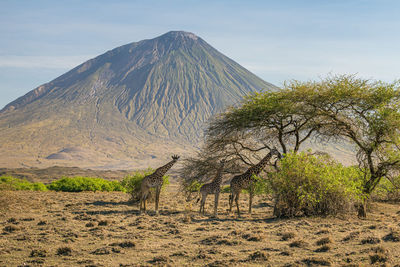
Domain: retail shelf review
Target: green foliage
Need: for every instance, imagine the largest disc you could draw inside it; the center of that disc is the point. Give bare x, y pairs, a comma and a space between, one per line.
226, 189
388, 189
261, 187
133, 182
11, 183
194, 186
314, 185
79, 184
364, 112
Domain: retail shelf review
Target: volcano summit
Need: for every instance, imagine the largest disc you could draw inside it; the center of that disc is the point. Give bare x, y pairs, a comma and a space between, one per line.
142, 101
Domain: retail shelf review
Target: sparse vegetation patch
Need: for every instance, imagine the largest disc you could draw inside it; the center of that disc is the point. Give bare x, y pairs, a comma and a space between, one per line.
133, 182
11, 183
79, 184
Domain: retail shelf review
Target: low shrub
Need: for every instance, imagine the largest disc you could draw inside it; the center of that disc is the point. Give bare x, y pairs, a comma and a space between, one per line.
11, 183
388, 189
132, 184
226, 189
261, 187
194, 186
314, 185
79, 184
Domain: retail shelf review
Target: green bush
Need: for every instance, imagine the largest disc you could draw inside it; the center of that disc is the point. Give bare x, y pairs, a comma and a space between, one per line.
261, 187
226, 189
388, 189
133, 182
193, 187
314, 185
79, 184
11, 183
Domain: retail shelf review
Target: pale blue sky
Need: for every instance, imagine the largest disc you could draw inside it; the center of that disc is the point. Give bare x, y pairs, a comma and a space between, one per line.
277, 40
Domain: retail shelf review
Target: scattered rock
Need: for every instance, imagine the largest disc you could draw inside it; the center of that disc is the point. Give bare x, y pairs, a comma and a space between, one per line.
285, 253
378, 257
10, 228
103, 223
101, 251
179, 254
38, 253
288, 235
64, 251
126, 244
324, 248
160, 260
89, 224
393, 236
37, 261
251, 237
27, 219
13, 220
217, 240
370, 240
218, 263
351, 236
298, 244
322, 232
324, 241
258, 256
316, 261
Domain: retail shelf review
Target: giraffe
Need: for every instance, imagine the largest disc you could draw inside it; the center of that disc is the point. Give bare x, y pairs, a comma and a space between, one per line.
154, 180
245, 181
212, 188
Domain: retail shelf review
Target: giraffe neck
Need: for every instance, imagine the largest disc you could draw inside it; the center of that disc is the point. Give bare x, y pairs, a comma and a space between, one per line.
259, 166
163, 169
218, 177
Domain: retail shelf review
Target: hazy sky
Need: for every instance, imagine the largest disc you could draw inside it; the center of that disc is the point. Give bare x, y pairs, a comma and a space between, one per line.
277, 40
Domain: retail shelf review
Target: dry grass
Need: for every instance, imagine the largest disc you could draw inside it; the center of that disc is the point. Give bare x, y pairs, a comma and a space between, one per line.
102, 229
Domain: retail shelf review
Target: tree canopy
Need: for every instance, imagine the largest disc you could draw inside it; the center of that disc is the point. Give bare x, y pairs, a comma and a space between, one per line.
364, 113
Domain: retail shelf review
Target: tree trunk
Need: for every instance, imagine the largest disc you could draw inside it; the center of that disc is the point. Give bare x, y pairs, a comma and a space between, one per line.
362, 209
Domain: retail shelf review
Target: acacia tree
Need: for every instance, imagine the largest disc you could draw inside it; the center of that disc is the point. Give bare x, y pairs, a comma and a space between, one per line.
267, 119
363, 112
244, 134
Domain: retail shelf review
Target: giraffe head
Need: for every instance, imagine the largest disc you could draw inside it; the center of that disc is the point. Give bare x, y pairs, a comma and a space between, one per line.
275, 152
175, 157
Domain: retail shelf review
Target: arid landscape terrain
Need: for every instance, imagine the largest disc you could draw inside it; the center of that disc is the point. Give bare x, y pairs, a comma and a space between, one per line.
103, 229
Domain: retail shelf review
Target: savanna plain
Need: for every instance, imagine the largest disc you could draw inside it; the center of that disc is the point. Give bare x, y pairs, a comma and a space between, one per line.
104, 229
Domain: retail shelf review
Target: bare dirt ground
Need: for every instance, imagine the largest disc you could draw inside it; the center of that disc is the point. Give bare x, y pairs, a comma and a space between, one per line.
102, 229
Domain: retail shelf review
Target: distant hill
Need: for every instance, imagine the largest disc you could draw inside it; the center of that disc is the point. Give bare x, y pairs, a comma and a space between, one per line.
130, 107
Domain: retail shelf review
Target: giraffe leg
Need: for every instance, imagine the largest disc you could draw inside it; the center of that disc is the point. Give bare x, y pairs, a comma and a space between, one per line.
158, 190
203, 204
144, 202
251, 194
237, 203
231, 197
216, 204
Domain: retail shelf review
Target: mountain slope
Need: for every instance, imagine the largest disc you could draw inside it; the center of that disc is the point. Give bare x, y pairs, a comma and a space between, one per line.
133, 103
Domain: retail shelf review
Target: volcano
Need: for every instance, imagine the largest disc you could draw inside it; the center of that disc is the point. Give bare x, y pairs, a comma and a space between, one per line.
132, 105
